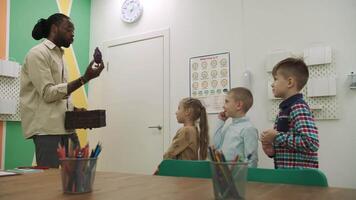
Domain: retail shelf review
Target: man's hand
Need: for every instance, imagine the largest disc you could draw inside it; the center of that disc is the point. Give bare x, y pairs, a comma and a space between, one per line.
93, 72
90, 73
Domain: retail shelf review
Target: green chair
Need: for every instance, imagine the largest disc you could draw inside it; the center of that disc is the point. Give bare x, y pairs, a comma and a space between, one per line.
201, 169
185, 168
308, 177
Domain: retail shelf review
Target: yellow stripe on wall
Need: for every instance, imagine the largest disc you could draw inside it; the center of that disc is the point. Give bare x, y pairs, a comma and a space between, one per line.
64, 6
79, 97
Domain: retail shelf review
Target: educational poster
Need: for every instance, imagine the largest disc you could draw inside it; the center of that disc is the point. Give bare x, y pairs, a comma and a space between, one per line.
210, 80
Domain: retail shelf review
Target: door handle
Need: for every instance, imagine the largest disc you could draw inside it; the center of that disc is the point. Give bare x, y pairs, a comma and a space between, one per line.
157, 127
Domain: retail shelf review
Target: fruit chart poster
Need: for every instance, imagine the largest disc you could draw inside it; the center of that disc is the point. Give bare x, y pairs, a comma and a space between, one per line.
210, 80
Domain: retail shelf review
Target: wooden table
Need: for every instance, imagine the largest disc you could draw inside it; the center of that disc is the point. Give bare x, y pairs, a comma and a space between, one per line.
111, 185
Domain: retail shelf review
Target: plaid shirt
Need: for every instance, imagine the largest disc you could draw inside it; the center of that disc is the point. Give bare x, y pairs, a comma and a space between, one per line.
296, 143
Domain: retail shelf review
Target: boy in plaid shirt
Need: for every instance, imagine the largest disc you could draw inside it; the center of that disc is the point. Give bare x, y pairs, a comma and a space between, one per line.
293, 143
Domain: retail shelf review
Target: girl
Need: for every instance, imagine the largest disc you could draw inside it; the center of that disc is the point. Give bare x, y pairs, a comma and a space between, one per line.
190, 143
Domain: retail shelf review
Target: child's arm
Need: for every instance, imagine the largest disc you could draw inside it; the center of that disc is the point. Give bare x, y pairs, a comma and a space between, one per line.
267, 139
179, 144
250, 136
217, 138
305, 139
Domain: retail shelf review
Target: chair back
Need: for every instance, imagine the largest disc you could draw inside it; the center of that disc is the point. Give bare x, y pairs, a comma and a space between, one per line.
185, 168
201, 169
306, 176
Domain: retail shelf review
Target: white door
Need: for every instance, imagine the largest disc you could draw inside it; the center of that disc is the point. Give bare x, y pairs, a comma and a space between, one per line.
134, 92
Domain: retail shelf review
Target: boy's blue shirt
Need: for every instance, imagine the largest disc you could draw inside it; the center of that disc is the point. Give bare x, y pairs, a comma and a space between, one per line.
239, 138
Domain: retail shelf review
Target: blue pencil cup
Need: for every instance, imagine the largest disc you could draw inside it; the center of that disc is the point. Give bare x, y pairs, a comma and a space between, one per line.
78, 174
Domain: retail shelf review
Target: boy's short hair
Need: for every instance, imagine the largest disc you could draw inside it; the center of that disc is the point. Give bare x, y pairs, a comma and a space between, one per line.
295, 67
244, 95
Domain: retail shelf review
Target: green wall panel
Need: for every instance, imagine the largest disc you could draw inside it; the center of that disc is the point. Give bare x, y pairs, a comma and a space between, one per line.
24, 14
19, 152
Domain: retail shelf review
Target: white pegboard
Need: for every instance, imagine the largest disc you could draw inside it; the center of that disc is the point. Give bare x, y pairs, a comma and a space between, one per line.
10, 89
326, 107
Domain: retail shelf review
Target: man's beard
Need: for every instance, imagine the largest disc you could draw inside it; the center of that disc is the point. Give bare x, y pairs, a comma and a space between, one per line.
62, 42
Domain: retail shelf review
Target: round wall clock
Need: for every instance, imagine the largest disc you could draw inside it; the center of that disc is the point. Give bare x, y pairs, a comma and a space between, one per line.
131, 11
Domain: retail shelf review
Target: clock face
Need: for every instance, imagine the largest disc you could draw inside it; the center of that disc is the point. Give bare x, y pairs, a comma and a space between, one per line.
131, 11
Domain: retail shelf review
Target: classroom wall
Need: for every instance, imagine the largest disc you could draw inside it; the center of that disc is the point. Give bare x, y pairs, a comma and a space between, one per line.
23, 15
193, 32
296, 25
249, 30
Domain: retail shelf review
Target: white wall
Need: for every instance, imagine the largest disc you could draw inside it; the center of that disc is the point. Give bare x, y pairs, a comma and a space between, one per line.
249, 30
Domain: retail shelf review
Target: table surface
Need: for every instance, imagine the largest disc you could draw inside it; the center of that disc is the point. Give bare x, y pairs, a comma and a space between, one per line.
114, 185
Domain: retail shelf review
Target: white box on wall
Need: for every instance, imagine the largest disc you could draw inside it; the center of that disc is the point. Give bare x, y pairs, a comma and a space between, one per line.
9, 68
8, 106
318, 87
274, 57
317, 55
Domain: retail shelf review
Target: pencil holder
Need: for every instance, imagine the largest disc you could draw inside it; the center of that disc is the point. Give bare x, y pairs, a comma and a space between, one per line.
78, 174
229, 179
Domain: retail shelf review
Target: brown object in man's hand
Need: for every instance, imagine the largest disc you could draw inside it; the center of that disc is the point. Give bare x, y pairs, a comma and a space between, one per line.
97, 56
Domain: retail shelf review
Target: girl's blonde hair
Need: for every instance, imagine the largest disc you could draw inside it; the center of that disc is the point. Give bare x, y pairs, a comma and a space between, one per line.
199, 112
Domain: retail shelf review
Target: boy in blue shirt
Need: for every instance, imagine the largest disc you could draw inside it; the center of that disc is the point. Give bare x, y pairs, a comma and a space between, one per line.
240, 138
